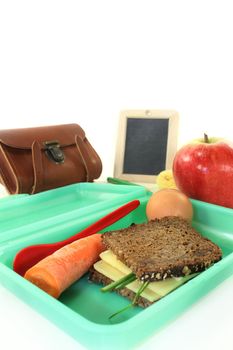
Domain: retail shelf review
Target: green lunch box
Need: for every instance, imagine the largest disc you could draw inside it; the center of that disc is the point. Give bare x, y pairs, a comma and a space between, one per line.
82, 310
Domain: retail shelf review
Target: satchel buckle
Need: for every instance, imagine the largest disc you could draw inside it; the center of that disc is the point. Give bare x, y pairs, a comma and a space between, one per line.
54, 152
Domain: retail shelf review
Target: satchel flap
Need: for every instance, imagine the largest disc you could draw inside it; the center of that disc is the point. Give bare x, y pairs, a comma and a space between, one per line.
23, 138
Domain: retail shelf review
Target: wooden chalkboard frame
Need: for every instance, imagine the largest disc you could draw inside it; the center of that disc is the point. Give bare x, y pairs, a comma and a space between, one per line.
171, 148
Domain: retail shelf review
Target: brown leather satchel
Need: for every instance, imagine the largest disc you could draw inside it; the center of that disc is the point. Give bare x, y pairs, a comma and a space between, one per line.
38, 159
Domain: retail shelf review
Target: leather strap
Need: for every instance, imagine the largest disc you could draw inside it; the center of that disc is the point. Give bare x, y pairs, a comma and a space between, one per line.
8, 174
88, 162
37, 168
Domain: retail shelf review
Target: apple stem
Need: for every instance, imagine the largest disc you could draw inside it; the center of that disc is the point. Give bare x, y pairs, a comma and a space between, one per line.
206, 139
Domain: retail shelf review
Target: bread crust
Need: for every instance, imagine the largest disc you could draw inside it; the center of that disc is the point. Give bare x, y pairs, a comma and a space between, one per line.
159, 249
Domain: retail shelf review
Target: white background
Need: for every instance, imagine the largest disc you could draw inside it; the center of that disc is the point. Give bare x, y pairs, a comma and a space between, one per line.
84, 61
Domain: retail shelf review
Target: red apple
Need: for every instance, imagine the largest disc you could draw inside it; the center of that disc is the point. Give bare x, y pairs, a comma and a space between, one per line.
203, 170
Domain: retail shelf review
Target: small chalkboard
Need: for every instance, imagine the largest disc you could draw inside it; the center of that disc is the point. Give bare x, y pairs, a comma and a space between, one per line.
147, 142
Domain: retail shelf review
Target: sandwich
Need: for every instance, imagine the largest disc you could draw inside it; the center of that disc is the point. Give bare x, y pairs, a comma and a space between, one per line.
145, 262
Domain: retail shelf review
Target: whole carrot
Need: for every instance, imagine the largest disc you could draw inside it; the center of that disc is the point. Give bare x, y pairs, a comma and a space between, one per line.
59, 270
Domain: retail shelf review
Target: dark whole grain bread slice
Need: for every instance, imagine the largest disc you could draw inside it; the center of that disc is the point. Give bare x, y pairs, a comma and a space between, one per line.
162, 248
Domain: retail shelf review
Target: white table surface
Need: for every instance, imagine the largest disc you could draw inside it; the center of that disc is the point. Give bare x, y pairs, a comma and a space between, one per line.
208, 324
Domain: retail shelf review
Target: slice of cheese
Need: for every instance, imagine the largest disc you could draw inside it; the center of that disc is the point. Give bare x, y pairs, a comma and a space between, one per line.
114, 274
112, 260
160, 288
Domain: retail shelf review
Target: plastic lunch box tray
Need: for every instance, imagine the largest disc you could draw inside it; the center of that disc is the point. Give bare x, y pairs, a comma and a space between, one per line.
83, 311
